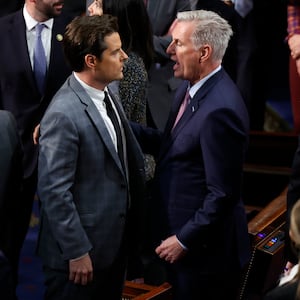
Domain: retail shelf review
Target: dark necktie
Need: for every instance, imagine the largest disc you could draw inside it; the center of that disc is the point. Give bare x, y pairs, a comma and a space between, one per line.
113, 117
39, 59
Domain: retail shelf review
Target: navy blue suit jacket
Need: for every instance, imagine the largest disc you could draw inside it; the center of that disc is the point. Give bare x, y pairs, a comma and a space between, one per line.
18, 90
199, 175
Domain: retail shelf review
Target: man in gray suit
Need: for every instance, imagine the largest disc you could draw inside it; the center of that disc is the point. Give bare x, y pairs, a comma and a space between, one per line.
91, 202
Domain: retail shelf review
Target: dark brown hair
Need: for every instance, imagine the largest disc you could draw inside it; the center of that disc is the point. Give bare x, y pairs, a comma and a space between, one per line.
85, 35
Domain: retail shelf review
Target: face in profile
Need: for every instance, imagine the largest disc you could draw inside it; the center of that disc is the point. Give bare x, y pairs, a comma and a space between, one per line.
110, 66
183, 52
95, 8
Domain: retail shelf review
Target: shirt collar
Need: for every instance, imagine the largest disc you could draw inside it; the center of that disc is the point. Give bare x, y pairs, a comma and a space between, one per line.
31, 22
92, 92
198, 85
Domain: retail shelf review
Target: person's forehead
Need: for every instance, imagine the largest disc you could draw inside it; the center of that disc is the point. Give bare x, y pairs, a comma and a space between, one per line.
183, 29
113, 40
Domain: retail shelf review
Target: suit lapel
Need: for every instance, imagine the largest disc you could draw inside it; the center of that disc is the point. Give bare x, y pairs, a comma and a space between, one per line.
56, 43
19, 40
96, 119
170, 135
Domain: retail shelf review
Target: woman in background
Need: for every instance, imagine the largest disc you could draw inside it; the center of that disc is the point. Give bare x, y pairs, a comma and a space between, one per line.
289, 285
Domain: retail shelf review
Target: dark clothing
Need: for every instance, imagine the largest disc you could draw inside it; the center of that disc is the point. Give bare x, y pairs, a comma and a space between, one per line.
11, 226
19, 95
197, 184
284, 292
7, 7
7, 288
107, 284
293, 195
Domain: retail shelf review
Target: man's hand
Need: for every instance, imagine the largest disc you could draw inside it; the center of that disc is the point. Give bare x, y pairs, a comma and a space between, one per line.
36, 134
170, 250
81, 270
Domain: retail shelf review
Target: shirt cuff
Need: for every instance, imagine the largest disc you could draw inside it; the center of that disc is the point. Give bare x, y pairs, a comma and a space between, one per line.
77, 258
183, 246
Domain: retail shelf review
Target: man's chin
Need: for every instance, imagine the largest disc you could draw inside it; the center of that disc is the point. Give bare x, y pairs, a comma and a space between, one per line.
121, 76
177, 74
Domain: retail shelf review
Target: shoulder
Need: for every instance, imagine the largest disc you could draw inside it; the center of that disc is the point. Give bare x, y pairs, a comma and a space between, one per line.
63, 20
6, 118
10, 19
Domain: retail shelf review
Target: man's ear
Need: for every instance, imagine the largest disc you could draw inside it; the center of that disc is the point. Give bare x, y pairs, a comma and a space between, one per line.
90, 60
204, 52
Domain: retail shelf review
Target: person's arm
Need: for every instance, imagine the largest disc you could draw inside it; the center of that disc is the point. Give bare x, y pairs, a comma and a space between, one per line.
148, 138
223, 142
58, 153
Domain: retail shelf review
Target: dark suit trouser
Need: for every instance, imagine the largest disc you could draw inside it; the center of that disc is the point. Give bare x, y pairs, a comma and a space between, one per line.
106, 284
23, 219
190, 282
6, 281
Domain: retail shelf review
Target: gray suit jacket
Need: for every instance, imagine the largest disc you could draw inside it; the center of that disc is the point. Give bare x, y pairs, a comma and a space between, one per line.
85, 200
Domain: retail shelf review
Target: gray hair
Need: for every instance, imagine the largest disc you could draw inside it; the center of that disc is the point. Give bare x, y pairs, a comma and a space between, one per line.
210, 29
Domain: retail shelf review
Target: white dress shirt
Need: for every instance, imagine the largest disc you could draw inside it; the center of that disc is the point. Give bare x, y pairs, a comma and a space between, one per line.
31, 35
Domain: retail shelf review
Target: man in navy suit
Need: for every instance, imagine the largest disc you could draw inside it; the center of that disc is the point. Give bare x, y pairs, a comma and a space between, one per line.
199, 221
91, 191
19, 93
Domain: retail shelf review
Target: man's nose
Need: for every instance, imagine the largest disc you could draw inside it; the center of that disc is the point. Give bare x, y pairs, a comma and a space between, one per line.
124, 56
171, 48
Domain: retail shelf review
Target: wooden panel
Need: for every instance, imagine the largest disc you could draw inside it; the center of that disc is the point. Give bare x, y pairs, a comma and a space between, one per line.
273, 213
140, 291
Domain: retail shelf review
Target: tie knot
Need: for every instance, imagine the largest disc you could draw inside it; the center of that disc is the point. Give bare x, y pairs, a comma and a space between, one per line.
106, 99
39, 28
